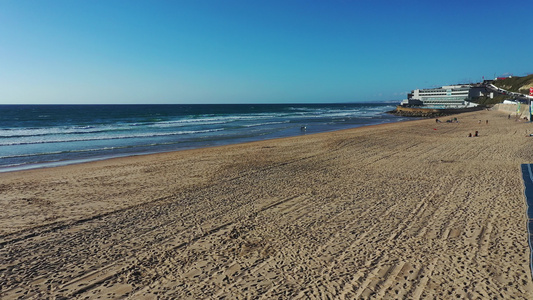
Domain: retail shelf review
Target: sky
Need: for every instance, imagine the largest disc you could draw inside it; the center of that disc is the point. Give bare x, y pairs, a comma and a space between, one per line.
254, 51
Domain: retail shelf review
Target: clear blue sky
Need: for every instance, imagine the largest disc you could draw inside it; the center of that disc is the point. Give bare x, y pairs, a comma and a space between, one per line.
253, 51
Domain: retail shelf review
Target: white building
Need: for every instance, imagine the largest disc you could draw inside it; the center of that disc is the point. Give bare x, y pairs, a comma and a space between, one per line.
451, 96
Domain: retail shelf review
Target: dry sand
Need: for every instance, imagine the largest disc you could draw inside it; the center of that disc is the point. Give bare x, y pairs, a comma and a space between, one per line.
408, 210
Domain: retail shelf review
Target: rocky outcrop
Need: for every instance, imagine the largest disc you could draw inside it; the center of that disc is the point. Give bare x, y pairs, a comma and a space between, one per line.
429, 112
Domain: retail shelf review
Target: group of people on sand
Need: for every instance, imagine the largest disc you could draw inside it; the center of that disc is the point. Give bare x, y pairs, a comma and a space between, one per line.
518, 118
475, 134
454, 120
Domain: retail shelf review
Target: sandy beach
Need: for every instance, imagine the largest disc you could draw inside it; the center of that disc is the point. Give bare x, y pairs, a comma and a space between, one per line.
412, 210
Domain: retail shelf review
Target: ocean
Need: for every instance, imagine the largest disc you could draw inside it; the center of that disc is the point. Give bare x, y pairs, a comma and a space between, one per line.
36, 136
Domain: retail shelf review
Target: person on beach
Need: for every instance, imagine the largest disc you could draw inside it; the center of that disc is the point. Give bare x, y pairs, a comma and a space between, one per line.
470, 134
487, 122
475, 134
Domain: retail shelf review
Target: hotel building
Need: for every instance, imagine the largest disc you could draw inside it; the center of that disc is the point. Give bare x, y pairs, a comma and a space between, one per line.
451, 96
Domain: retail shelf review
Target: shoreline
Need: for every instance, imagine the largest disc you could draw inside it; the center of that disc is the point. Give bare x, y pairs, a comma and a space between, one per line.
400, 210
54, 164
80, 133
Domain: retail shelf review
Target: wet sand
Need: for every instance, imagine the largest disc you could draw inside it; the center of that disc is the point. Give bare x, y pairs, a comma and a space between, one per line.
405, 210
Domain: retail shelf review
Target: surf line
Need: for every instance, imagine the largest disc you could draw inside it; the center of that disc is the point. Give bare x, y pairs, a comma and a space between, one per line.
527, 175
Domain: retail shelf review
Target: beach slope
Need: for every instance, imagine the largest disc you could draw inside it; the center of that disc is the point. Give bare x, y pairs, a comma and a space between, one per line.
406, 210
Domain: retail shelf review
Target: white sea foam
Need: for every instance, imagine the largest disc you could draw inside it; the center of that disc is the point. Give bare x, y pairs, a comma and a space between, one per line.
105, 137
266, 123
60, 130
113, 132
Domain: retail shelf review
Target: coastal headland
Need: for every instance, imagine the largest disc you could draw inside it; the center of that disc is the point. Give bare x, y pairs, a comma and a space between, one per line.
414, 210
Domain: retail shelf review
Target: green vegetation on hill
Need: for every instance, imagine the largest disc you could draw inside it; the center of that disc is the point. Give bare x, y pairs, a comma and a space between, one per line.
516, 84
491, 101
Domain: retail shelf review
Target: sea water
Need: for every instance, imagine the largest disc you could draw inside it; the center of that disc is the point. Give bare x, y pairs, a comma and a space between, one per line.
34, 136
